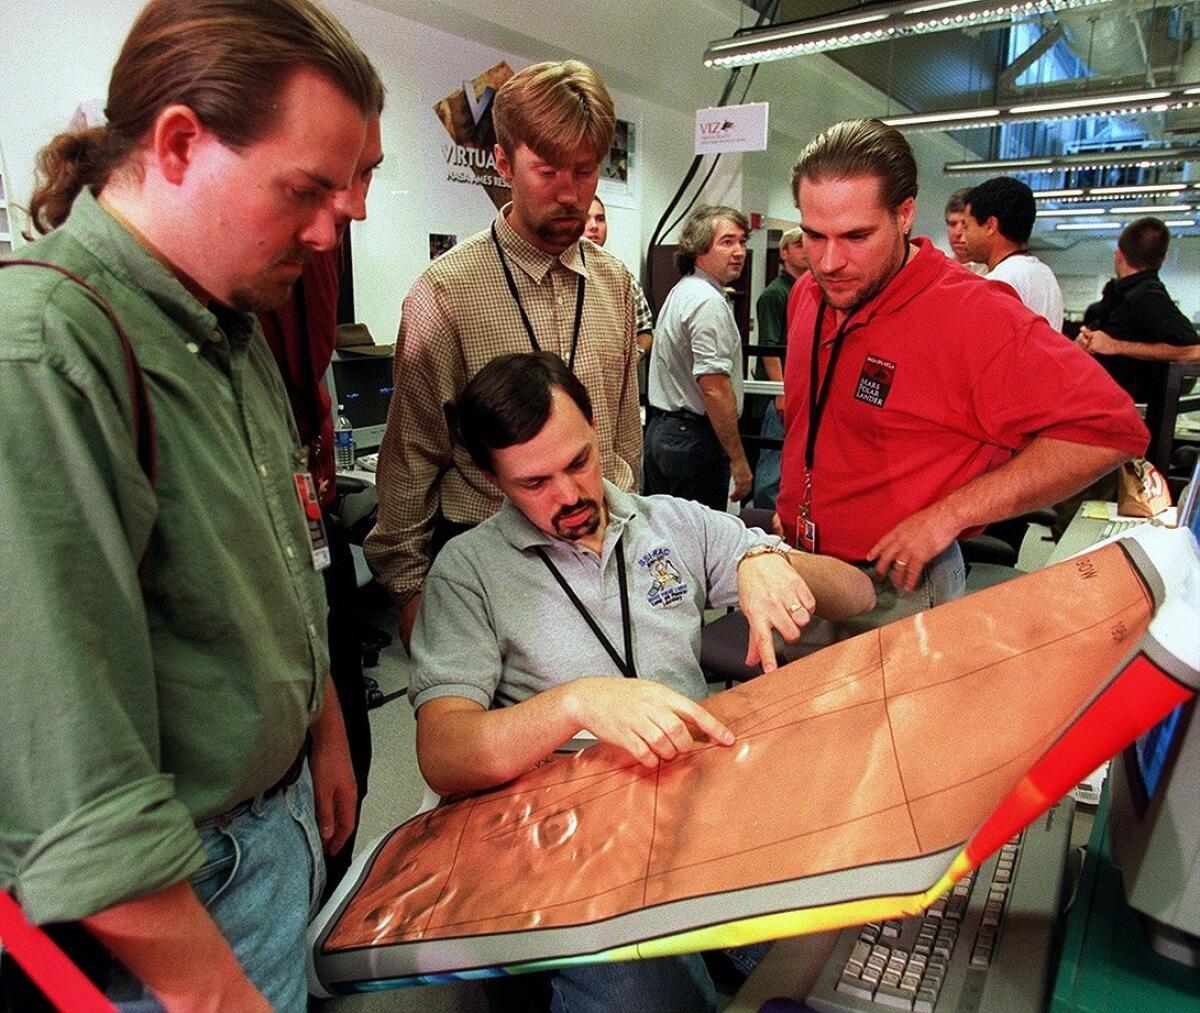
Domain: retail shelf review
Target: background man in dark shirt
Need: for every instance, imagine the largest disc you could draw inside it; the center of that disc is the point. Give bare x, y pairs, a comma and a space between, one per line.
771, 310
1136, 328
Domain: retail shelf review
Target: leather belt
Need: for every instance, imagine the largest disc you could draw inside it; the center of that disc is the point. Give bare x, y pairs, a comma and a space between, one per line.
290, 777
677, 413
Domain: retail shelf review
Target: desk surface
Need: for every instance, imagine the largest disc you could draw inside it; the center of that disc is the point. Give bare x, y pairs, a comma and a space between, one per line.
1082, 532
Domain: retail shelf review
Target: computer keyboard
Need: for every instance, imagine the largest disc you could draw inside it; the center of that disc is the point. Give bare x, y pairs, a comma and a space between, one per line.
368, 462
986, 946
1119, 527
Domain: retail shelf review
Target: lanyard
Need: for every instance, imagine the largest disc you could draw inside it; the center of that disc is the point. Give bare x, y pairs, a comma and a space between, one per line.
625, 664
818, 398
512, 288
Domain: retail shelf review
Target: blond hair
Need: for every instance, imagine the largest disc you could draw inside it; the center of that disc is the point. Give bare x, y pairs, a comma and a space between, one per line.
555, 109
226, 60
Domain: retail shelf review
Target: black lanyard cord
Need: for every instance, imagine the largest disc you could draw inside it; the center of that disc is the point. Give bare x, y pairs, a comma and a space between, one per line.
626, 664
512, 288
818, 399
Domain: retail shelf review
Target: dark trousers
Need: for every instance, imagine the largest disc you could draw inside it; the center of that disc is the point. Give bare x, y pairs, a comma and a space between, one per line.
345, 669
683, 457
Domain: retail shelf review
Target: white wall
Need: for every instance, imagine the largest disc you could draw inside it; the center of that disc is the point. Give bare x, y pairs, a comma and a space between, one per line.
410, 199
648, 54
1092, 259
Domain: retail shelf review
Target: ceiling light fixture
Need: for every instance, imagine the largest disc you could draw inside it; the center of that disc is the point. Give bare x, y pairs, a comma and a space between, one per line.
1113, 191
875, 24
1162, 209
1094, 192
1115, 103
1154, 209
1069, 212
1142, 158
1179, 223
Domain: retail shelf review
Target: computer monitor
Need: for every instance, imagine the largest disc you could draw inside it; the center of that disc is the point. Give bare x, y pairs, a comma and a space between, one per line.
1154, 825
362, 385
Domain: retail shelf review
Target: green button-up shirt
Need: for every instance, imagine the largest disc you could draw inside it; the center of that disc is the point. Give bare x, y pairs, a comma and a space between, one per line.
133, 705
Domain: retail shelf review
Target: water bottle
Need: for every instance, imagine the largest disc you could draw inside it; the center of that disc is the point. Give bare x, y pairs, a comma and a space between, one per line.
343, 441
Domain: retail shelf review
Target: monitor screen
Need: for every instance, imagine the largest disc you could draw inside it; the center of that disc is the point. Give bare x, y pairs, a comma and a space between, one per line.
1154, 822
362, 385
1152, 751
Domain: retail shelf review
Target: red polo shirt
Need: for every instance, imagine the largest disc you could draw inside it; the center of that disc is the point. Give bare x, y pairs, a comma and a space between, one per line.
303, 348
941, 377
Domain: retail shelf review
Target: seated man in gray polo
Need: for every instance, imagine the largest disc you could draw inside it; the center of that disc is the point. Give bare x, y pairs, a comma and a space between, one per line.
530, 620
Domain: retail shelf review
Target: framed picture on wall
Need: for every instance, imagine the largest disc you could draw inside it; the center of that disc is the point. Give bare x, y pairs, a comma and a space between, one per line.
620, 171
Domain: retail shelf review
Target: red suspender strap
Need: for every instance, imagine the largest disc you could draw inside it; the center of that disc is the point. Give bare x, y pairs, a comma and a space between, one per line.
47, 966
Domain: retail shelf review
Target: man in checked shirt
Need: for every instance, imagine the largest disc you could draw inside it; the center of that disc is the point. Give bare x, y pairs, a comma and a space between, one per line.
522, 284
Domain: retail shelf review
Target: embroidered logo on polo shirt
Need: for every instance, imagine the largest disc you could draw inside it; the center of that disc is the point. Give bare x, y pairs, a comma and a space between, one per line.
667, 587
875, 381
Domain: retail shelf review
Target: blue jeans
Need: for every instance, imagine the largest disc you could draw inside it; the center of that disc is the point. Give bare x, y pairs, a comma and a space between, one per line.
944, 579
261, 882
766, 472
657, 985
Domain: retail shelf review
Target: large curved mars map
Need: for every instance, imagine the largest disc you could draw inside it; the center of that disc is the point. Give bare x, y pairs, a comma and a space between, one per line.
864, 781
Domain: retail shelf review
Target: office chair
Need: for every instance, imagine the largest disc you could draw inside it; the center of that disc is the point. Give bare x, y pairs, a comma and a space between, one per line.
723, 642
354, 512
999, 544
1179, 395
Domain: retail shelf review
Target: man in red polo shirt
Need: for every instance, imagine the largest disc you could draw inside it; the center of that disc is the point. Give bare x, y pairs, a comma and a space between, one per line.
922, 401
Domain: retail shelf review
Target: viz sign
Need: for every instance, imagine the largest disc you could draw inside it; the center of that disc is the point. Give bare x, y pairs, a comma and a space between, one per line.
732, 128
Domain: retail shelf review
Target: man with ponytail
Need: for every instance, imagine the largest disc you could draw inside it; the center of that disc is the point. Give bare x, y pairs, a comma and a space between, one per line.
173, 761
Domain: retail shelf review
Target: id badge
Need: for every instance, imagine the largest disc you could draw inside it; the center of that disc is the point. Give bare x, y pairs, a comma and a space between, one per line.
318, 543
806, 534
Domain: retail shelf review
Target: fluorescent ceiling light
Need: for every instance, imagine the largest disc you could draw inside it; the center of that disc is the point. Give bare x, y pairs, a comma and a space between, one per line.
1161, 209
942, 119
1185, 223
1153, 209
1115, 103
1091, 193
1141, 158
1086, 103
884, 21
1085, 226
1112, 191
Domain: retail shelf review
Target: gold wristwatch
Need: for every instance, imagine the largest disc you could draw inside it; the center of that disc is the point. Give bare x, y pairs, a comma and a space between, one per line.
782, 549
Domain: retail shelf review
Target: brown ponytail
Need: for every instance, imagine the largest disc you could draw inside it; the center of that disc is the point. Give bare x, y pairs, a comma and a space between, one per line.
227, 60
65, 166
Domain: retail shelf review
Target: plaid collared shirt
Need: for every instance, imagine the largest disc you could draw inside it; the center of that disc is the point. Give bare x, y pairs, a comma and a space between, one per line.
458, 316
645, 318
